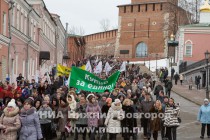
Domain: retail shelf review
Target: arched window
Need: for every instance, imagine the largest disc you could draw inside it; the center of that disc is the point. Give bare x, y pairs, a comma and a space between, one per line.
188, 48
141, 50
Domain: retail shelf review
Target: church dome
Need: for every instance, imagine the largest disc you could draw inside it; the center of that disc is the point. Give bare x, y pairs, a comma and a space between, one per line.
205, 7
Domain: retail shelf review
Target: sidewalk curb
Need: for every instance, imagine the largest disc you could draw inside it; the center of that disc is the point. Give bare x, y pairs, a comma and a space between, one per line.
186, 98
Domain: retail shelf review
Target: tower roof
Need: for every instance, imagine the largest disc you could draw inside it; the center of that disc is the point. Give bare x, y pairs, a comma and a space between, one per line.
205, 7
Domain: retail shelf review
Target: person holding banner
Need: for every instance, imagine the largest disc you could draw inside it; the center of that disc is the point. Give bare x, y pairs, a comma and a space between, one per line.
93, 110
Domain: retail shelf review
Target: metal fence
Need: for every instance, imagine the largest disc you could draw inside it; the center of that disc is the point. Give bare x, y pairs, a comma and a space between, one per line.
183, 66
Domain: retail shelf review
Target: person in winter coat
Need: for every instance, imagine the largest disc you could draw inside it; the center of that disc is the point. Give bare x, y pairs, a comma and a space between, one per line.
155, 123
204, 118
145, 107
72, 104
128, 123
176, 77
114, 95
168, 87
171, 119
30, 125
157, 89
26, 92
93, 110
63, 119
55, 105
190, 83
134, 86
113, 119
45, 120
81, 123
10, 122
181, 78
104, 110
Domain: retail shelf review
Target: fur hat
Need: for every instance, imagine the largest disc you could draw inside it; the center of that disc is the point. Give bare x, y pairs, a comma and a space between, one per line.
89, 97
12, 103
206, 100
116, 101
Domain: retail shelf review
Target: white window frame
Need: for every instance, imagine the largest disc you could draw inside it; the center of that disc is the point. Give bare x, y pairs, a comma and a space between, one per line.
18, 19
4, 23
188, 43
25, 24
21, 22
34, 32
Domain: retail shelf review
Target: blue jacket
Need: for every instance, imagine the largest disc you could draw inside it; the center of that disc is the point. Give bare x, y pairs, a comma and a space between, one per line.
204, 114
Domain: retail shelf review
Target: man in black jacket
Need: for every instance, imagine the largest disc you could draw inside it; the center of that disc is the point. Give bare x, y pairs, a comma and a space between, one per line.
168, 86
19, 79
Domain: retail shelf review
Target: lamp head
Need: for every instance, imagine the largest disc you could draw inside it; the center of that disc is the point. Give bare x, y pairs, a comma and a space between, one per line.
11, 2
207, 54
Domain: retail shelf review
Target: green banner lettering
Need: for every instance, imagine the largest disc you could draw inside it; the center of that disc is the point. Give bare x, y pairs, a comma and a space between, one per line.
87, 81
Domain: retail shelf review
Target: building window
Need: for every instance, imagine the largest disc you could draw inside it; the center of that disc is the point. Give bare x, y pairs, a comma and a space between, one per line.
146, 7
4, 23
13, 16
131, 8
153, 6
34, 34
188, 48
139, 8
21, 23
141, 50
124, 9
161, 6
25, 25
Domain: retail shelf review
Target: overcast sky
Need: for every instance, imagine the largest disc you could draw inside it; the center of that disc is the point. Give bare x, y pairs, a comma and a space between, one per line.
86, 13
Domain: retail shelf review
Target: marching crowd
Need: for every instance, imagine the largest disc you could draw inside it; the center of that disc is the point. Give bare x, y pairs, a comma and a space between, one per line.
24, 108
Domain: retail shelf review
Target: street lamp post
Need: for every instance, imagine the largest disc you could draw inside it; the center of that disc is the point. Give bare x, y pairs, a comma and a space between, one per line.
207, 73
149, 63
10, 14
156, 62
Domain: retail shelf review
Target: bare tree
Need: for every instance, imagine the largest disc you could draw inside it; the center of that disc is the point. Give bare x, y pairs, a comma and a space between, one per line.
105, 25
76, 31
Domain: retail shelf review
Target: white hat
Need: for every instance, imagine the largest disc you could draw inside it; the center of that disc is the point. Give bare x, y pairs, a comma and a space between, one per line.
128, 90
89, 96
206, 100
116, 101
12, 103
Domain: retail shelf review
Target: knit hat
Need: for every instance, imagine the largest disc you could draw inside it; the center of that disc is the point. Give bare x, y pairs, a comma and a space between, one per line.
88, 97
108, 100
129, 90
206, 100
12, 103
116, 101
30, 101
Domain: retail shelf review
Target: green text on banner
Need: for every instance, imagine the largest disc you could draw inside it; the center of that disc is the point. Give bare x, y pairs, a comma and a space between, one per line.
87, 81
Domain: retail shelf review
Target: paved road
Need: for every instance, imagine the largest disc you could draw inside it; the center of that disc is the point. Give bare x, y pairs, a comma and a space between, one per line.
188, 129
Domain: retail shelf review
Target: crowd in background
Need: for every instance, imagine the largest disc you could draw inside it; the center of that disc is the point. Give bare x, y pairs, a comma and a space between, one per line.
135, 92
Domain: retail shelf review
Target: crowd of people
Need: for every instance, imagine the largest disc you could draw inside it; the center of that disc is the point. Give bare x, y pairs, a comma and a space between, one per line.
24, 108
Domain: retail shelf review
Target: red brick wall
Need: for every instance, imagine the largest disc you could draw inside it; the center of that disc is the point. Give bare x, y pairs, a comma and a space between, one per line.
143, 23
76, 52
102, 43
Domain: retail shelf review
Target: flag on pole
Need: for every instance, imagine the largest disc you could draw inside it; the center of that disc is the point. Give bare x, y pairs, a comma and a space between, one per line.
48, 78
88, 67
98, 68
107, 68
123, 67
